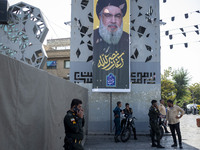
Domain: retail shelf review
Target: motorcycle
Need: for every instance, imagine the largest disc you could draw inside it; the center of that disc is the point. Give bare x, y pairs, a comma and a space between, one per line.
163, 125
127, 124
162, 121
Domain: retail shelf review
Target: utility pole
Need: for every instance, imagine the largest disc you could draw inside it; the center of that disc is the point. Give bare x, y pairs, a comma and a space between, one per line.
111, 112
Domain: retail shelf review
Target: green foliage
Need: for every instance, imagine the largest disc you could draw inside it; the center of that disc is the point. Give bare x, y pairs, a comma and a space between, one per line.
176, 89
167, 73
187, 99
168, 90
195, 92
181, 79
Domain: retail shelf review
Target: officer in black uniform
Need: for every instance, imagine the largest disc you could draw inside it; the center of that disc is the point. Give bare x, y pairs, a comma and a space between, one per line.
73, 123
154, 115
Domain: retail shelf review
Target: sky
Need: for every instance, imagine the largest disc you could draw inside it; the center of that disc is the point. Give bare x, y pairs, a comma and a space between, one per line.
56, 13
179, 56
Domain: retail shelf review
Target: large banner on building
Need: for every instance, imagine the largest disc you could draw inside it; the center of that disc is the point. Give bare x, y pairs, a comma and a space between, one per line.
111, 67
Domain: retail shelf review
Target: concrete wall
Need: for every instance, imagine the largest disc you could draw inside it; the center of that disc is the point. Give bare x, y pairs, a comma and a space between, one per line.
145, 63
33, 104
101, 107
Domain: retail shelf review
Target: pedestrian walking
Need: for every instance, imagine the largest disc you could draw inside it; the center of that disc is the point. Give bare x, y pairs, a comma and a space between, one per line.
174, 113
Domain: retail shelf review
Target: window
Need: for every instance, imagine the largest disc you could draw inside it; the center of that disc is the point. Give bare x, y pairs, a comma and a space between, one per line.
51, 64
66, 64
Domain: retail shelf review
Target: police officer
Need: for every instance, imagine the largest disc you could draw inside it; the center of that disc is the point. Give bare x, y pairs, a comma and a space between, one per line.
117, 112
73, 123
154, 115
128, 111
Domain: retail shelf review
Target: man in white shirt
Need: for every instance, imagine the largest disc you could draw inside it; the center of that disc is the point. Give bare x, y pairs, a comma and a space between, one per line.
173, 121
162, 110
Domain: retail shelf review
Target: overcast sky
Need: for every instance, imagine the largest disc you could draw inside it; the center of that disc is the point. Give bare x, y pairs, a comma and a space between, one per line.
56, 12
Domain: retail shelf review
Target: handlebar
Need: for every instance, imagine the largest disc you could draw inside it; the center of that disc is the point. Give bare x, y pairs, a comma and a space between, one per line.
128, 115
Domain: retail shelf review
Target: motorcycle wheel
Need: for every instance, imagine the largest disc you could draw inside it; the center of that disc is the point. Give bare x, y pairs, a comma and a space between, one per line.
125, 135
161, 132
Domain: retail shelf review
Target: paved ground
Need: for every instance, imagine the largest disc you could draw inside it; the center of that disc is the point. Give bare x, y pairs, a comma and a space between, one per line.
190, 136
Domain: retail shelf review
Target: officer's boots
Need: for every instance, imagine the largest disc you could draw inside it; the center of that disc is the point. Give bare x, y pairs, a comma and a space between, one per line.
159, 146
153, 142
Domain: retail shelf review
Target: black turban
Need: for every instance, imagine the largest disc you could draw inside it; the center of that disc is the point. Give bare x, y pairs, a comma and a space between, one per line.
104, 3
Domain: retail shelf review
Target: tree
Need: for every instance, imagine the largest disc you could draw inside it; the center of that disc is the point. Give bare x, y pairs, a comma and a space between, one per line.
167, 73
181, 79
168, 90
195, 92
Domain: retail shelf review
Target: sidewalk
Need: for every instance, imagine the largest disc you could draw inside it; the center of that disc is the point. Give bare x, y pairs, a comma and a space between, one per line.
190, 138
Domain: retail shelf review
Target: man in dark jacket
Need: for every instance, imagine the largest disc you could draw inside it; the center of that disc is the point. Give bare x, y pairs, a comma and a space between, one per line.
73, 123
128, 113
154, 115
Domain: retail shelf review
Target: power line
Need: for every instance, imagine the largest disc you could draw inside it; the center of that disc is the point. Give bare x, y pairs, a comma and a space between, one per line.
51, 22
50, 25
196, 26
184, 33
185, 14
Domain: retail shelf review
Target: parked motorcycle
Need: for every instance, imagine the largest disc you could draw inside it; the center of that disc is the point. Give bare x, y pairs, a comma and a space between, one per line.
162, 121
127, 125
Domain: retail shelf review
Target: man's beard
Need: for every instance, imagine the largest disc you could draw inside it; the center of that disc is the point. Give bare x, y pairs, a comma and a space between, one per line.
110, 37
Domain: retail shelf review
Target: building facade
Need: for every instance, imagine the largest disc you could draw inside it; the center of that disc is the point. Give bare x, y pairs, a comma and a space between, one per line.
144, 63
58, 61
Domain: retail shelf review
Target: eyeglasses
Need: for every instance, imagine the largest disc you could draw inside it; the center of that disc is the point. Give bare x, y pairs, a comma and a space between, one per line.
110, 16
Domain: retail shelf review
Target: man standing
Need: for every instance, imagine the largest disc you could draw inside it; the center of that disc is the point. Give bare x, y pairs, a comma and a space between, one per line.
128, 111
111, 44
154, 123
73, 123
173, 121
117, 112
162, 110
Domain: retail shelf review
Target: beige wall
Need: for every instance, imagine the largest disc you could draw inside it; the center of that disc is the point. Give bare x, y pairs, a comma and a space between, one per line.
59, 56
55, 54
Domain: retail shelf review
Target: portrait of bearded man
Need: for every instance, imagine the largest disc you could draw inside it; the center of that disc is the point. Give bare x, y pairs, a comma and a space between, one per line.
111, 44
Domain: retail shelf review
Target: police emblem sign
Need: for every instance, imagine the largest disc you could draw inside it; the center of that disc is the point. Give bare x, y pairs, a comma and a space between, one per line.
111, 67
111, 80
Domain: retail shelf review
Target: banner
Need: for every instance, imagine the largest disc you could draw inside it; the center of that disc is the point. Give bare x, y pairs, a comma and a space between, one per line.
111, 67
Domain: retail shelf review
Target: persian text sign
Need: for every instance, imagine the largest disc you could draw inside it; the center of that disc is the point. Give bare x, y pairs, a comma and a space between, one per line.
111, 70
